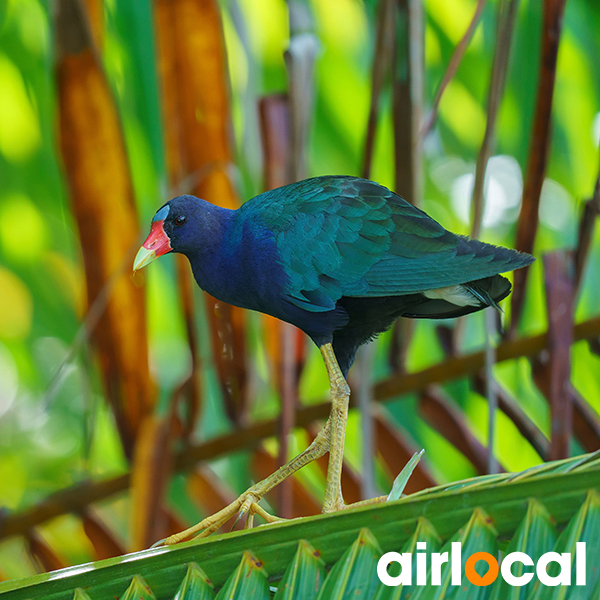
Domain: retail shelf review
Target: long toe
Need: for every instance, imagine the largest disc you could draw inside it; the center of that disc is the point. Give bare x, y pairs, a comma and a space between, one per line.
245, 506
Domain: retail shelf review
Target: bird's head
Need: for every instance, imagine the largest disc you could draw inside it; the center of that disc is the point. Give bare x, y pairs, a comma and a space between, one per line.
172, 230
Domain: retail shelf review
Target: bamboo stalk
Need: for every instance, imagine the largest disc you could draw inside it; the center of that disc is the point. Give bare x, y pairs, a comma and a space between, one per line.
590, 212
559, 300
384, 42
409, 77
538, 153
191, 49
452, 68
93, 151
507, 14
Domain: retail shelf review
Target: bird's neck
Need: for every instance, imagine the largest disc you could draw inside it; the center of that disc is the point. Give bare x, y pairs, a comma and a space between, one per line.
209, 249
236, 259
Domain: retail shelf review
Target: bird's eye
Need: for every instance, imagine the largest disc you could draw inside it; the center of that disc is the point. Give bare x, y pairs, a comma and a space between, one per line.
179, 221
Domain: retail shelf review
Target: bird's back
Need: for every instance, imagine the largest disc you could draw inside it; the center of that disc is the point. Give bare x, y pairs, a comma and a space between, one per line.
348, 237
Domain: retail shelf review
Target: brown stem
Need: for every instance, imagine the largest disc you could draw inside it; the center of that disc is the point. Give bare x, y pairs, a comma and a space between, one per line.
453, 65
538, 153
590, 212
384, 41
507, 13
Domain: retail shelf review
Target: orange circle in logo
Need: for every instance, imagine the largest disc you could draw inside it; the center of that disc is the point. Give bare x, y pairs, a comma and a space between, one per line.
472, 574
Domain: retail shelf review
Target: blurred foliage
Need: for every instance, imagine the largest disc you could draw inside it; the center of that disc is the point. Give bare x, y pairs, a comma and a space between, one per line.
56, 430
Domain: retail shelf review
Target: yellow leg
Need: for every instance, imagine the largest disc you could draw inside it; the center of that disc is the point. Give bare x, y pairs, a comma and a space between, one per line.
330, 439
340, 397
247, 503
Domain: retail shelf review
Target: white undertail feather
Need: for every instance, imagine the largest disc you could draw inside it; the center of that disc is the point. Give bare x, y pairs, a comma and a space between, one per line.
455, 294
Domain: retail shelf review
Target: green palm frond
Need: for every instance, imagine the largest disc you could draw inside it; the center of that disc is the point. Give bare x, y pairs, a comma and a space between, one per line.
510, 512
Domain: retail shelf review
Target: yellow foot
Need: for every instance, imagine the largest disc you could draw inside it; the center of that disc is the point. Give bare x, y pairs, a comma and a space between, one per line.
339, 504
366, 502
245, 505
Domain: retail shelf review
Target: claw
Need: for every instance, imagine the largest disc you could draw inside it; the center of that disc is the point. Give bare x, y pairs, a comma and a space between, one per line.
237, 520
245, 508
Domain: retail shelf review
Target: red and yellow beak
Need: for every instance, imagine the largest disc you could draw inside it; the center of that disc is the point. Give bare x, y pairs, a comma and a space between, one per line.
157, 243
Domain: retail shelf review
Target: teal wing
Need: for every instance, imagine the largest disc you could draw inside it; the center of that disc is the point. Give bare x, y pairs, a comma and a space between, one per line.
343, 236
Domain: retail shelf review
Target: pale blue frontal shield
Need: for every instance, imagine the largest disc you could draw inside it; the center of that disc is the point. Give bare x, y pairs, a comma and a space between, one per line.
162, 214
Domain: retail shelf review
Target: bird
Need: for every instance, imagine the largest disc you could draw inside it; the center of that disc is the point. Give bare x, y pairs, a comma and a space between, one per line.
341, 258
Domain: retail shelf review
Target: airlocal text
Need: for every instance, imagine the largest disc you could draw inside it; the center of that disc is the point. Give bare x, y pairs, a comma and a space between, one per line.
405, 560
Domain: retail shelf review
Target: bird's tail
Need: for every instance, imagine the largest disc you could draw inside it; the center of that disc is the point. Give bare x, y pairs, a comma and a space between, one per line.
488, 291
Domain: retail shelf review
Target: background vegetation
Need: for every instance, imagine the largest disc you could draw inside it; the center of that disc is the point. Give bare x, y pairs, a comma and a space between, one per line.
130, 407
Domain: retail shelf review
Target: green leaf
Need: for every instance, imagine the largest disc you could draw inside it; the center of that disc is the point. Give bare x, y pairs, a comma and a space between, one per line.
195, 586
355, 573
303, 576
425, 532
535, 536
138, 590
249, 580
596, 591
80, 595
584, 527
477, 536
404, 475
